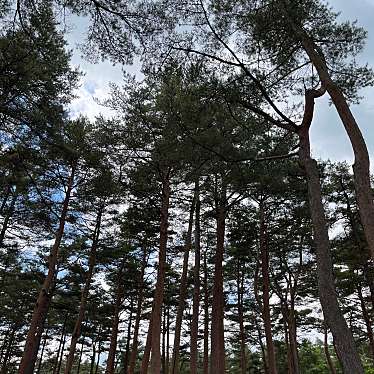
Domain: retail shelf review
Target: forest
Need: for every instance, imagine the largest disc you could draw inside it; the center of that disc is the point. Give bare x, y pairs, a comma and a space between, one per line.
192, 230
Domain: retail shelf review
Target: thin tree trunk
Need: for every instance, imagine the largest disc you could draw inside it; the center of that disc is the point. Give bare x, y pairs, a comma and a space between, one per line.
167, 363
345, 344
98, 358
80, 356
292, 331
4, 343
42, 304
206, 319
8, 216
93, 359
330, 364
62, 355
217, 357
266, 293
42, 352
155, 325
182, 293
114, 334
8, 350
128, 338
5, 199
367, 320
60, 345
163, 355
240, 293
196, 293
134, 350
82, 306
147, 349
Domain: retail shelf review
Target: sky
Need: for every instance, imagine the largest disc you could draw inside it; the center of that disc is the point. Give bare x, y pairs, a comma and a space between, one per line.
328, 137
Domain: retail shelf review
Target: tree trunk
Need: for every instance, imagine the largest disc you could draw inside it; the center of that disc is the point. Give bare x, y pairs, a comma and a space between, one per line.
113, 337
93, 359
128, 338
5, 199
42, 352
98, 358
182, 293
292, 333
60, 345
206, 319
42, 304
217, 357
167, 359
8, 216
266, 293
334, 317
163, 356
147, 348
240, 294
134, 350
196, 293
330, 364
82, 307
361, 167
367, 320
8, 351
155, 325
61, 356
80, 355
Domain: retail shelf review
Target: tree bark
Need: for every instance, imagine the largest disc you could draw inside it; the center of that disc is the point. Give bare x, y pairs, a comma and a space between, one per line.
330, 364
128, 338
80, 355
182, 293
134, 350
42, 352
343, 338
206, 319
217, 357
147, 348
196, 293
361, 167
266, 293
60, 344
114, 334
82, 307
8, 216
240, 294
367, 320
61, 355
155, 325
42, 304
8, 351
292, 332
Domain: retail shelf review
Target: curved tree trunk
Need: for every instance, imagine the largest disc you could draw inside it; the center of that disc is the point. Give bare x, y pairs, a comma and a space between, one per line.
174, 369
361, 167
42, 304
343, 338
82, 307
196, 293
